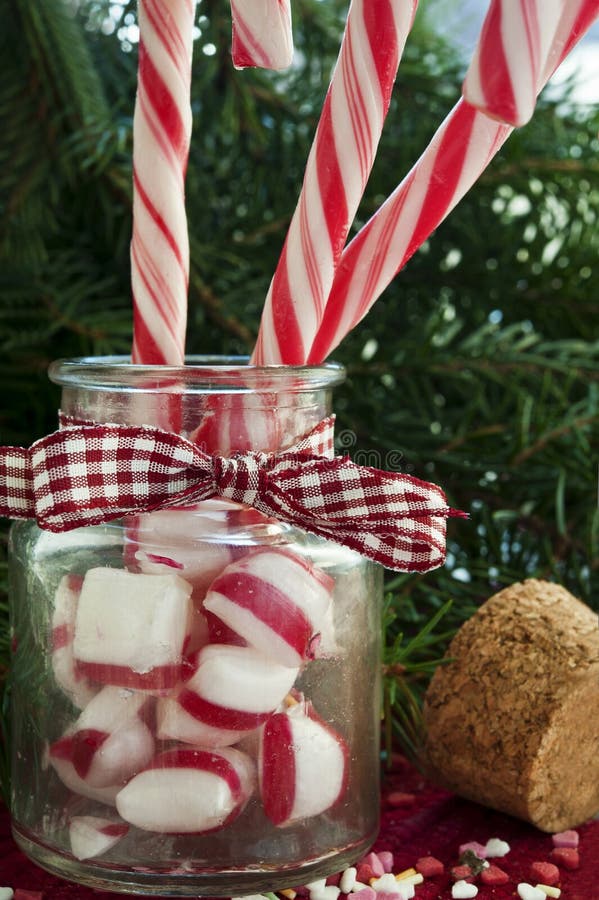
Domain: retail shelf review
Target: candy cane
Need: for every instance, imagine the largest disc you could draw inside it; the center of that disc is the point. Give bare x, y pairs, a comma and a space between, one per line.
521, 43
262, 33
338, 167
459, 151
161, 134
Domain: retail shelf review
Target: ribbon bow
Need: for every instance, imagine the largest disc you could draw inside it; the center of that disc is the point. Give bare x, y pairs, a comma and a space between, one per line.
90, 474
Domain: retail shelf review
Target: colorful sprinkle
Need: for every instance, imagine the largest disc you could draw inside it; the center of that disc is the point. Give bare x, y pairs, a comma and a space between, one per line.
386, 858
528, 892
348, 880
545, 872
461, 873
429, 866
566, 857
495, 847
565, 839
494, 876
476, 848
463, 890
372, 860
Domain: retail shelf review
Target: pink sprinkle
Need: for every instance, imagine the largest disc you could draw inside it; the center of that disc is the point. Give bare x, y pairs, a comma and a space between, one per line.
566, 857
494, 876
476, 848
372, 860
462, 873
429, 866
333, 880
386, 858
544, 872
365, 893
365, 873
399, 798
565, 839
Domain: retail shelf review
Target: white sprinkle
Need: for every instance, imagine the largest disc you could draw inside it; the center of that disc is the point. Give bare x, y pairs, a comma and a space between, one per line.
316, 885
406, 889
528, 892
348, 880
549, 890
330, 892
386, 883
463, 889
359, 886
6, 893
496, 847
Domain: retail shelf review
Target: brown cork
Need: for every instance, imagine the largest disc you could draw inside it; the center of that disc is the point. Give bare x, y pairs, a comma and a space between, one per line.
512, 722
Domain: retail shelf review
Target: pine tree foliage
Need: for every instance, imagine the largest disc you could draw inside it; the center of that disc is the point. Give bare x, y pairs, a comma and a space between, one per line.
478, 368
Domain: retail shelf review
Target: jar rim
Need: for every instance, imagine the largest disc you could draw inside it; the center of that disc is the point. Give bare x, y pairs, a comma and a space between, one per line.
231, 373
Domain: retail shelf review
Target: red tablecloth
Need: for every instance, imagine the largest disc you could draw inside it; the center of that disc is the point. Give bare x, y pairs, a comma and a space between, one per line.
417, 820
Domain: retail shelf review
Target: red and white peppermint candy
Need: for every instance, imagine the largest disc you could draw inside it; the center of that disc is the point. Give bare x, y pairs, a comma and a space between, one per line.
60, 757
336, 173
234, 689
161, 135
171, 541
132, 630
92, 836
235, 423
262, 33
188, 790
276, 600
78, 688
174, 723
303, 765
109, 742
460, 150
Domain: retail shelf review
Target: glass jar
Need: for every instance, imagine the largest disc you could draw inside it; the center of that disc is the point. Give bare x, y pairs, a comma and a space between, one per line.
195, 690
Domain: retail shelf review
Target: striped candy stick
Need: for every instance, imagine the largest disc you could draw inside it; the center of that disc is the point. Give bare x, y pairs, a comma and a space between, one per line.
520, 45
261, 33
576, 19
336, 173
161, 135
459, 151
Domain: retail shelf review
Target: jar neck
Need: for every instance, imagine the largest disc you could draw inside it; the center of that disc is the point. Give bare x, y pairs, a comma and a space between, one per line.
222, 404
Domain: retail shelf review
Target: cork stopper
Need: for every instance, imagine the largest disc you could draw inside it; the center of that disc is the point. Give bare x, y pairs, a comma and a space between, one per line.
512, 722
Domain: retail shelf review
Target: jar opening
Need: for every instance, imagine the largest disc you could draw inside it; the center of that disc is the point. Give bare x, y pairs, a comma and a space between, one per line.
202, 374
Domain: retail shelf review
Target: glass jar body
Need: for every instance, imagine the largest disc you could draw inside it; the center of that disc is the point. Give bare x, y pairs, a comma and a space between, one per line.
195, 690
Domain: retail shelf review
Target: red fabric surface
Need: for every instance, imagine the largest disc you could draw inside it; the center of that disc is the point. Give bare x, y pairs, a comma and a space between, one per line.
417, 820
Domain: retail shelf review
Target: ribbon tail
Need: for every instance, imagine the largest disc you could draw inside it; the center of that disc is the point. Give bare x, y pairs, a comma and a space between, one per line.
16, 483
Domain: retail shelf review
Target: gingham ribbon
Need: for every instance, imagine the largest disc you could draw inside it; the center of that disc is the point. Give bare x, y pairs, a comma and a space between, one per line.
90, 474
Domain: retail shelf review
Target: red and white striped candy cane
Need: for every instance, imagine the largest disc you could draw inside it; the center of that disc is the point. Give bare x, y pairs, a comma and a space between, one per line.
520, 45
459, 151
576, 19
161, 135
262, 33
338, 167
504, 74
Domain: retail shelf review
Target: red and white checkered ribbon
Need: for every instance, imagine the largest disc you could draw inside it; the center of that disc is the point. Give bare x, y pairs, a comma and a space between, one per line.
90, 474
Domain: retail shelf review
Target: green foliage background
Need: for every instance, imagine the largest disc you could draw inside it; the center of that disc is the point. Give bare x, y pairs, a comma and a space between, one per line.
479, 366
